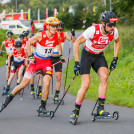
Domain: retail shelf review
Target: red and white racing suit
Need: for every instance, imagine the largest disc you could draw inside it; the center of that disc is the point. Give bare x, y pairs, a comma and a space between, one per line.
62, 40
96, 41
44, 50
18, 63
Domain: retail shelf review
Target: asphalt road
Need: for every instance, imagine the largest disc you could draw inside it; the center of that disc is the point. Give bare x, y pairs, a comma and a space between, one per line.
20, 117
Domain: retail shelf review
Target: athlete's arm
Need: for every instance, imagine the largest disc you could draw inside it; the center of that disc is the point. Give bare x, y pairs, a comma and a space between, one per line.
34, 39
79, 41
2, 46
59, 46
116, 47
69, 38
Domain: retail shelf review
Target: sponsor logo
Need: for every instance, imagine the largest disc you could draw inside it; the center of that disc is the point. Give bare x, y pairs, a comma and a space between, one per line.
103, 40
49, 68
97, 32
49, 43
48, 72
44, 35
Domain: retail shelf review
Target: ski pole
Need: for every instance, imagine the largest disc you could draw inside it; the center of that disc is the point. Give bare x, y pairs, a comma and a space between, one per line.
53, 112
52, 86
17, 56
67, 65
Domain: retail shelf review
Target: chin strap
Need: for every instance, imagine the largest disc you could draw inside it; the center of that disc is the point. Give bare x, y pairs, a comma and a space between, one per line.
105, 29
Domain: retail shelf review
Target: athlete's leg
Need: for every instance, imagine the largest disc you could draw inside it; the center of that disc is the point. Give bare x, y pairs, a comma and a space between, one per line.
103, 74
10, 78
7, 73
40, 84
85, 82
45, 91
20, 72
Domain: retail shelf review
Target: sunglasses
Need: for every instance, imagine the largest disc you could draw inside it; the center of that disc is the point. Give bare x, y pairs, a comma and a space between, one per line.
111, 24
54, 26
9, 36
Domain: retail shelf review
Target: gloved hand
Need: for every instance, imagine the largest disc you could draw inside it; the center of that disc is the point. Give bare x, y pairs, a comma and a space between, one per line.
72, 32
1, 53
77, 68
62, 59
32, 59
113, 63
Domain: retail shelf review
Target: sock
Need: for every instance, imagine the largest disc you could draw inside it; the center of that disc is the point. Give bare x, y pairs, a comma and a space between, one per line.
40, 87
57, 93
77, 107
43, 102
101, 100
32, 86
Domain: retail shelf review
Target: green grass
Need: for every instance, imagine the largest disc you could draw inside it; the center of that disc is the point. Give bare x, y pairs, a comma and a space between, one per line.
121, 81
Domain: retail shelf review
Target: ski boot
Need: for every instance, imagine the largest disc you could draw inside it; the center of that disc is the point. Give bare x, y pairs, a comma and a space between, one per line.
6, 90
43, 112
74, 117
6, 101
32, 92
100, 109
38, 93
57, 100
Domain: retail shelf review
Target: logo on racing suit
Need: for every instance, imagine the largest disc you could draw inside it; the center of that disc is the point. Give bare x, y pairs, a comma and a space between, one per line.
103, 40
48, 72
49, 43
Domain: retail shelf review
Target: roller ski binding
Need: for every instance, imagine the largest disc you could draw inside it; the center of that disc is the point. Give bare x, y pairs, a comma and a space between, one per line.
5, 90
57, 100
6, 101
74, 117
102, 114
42, 112
32, 94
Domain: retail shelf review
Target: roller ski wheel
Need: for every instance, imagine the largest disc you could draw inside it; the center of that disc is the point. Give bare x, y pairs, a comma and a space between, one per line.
56, 101
116, 115
52, 114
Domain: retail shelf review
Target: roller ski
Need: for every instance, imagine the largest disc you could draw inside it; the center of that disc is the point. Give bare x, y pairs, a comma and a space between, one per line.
102, 114
5, 90
6, 101
74, 117
57, 100
42, 112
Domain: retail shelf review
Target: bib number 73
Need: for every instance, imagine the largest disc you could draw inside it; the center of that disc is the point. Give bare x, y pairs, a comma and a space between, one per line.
48, 50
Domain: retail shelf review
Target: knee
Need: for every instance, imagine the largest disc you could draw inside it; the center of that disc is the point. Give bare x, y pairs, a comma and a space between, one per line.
104, 78
85, 86
58, 78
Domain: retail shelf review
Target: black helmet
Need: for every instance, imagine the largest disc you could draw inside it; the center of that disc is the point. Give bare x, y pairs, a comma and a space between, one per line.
108, 16
21, 36
18, 43
61, 25
40, 30
9, 33
25, 33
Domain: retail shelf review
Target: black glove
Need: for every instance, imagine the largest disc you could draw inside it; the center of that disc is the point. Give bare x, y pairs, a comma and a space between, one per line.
32, 58
113, 63
77, 68
1, 53
72, 32
62, 59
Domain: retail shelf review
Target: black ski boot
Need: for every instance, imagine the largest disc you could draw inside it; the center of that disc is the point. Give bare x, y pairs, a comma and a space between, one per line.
100, 109
74, 116
6, 101
6, 90
57, 99
32, 91
43, 112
